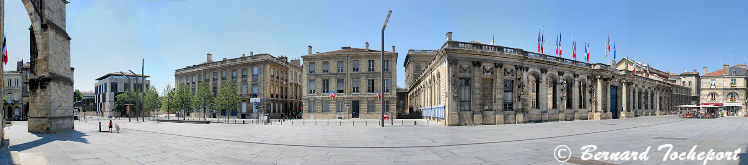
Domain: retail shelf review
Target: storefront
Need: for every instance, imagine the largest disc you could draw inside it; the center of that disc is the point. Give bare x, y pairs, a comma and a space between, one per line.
732, 109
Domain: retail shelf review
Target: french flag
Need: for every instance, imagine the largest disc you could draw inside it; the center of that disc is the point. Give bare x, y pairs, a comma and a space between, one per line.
332, 94
5, 52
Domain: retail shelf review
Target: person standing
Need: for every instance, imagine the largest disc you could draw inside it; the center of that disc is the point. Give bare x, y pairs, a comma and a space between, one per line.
110, 125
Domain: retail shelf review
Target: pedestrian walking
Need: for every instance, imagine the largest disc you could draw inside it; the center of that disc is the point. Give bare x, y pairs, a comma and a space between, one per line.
116, 127
110, 125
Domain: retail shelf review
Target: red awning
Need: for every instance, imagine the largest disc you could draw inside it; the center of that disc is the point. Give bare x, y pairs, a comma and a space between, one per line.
714, 104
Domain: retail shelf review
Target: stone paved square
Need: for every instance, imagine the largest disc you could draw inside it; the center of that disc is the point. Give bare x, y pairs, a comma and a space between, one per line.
217, 143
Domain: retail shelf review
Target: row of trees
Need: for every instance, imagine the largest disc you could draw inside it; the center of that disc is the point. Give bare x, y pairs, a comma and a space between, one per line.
182, 100
131, 97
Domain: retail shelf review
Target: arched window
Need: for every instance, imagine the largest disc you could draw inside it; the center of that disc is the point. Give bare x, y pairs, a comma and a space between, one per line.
568, 94
732, 97
551, 91
534, 86
712, 96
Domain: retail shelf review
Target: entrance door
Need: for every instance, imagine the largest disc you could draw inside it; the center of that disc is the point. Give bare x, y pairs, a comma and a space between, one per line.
614, 101
354, 109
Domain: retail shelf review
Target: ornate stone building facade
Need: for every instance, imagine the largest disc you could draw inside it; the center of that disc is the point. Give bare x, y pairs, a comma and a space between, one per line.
265, 84
726, 87
415, 62
470, 83
353, 76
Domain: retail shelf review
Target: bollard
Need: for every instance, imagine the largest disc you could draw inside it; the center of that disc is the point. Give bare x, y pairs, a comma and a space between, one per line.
354, 123
341, 122
99, 126
242, 121
414, 122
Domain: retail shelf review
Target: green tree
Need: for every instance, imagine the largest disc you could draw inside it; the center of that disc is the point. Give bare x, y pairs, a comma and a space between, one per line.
151, 99
203, 98
78, 96
120, 102
183, 99
167, 101
227, 98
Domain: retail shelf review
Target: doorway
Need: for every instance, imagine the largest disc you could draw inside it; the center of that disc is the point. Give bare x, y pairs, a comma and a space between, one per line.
614, 101
354, 109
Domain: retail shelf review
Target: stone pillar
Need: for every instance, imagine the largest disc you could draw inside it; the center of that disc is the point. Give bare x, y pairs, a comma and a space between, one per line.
624, 99
598, 100
51, 82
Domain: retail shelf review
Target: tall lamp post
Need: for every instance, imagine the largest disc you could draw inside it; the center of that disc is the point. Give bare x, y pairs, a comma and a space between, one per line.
382, 71
142, 95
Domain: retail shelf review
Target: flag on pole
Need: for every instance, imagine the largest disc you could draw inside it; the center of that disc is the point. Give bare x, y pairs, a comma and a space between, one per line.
574, 48
559, 44
539, 40
491, 39
634, 70
379, 96
606, 52
542, 38
5, 52
614, 50
647, 70
607, 43
587, 50
332, 94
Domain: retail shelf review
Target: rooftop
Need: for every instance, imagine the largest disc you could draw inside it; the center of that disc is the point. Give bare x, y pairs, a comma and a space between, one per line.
120, 74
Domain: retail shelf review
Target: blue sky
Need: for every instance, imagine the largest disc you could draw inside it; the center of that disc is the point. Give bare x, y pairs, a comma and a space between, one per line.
114, 35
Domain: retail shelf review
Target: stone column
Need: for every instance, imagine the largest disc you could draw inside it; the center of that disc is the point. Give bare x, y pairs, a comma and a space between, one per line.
51, 82
598, 99
574, 97
624, 99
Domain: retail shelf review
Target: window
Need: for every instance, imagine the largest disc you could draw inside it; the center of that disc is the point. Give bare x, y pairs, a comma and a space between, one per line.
568, 94
114, 86
325, 85
386, 85
732, 96
370, 85
370, 106
386, 67
386, 106
254, 90
355, 65
233, 74
127, 86
464, 94
354, 85
340, 106
311, 106
215, 76
223, 75
732, 83
341, 86
325, 106
311, 67
371, 65
340, 66
714, 83
207, 77
244, 73
312, 86
244, 88
508, 98
325, 67
105, 88
254, 71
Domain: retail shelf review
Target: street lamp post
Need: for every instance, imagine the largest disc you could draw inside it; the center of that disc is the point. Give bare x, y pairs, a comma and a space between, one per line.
381, 118
142, 101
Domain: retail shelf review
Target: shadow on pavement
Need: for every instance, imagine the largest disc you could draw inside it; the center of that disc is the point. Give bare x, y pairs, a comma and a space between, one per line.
72, 135
743, 157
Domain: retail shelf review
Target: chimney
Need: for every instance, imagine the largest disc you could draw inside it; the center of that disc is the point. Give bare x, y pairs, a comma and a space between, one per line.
251, 53
726, 70
449, 36
393, 48
367, 45
310, 49
210, 57
705, 71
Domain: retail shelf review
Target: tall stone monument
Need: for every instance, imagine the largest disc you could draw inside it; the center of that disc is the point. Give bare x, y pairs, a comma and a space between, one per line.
51, 79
